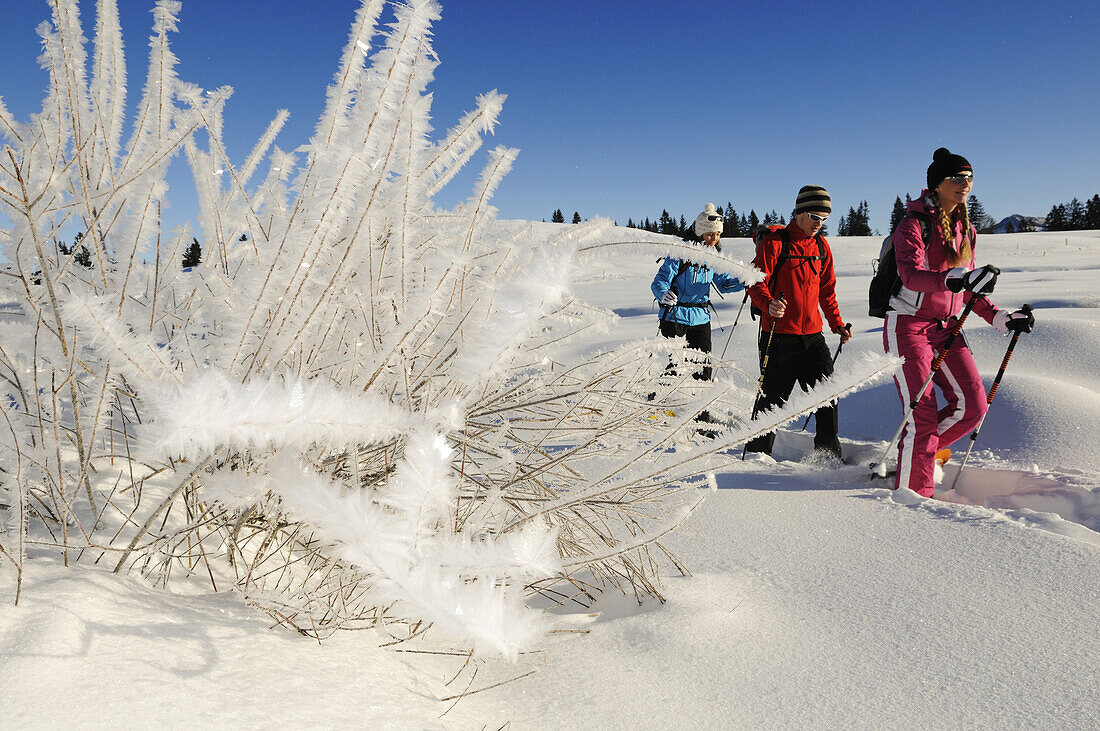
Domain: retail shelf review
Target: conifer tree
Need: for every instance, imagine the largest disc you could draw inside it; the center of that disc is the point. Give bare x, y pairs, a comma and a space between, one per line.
576, 217
978, 217
857, 222
1075, 215
558, 217
754, 221
82, 257
842, 225
683, 227
1057, 219
730, 226
897, 214
1092, 212
865, 218
666, 224
193, 256
744, 227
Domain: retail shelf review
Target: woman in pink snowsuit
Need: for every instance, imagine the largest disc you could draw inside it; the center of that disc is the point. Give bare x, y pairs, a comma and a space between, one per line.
938, 278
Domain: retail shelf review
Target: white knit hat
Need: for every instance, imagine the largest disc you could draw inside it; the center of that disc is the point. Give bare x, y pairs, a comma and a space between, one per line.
708, 221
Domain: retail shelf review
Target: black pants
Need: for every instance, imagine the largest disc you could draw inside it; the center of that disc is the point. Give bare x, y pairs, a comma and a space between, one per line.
698, 338
802, 359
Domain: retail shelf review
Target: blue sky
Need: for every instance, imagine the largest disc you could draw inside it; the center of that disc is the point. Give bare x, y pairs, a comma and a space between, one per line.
622, 109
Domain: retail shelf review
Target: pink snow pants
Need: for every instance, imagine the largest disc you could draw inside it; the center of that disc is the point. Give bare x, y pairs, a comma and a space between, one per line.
927, 429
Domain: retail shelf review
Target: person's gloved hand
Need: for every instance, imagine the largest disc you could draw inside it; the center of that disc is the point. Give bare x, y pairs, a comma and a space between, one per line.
978, 281
1020, 321
845, 332
668, 299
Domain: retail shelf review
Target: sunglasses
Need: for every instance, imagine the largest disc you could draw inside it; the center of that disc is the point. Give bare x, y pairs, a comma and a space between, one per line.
960, 179
819, 219
714, 218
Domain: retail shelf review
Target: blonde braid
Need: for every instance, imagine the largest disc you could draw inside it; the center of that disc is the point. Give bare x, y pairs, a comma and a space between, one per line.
946, 223
965, 253
942, 219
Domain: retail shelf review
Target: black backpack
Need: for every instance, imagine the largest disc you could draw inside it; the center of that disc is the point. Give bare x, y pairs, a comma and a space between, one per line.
886, 282
758, 238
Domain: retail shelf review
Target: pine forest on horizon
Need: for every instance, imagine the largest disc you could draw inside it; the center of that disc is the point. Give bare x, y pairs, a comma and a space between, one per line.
1071, 216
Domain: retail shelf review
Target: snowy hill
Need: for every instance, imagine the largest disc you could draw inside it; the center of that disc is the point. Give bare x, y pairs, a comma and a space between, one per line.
819, 598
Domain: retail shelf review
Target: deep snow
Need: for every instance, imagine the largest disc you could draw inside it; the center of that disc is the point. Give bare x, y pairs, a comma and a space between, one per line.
819, 598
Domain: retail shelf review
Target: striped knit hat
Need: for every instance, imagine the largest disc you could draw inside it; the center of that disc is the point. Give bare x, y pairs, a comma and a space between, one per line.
813, 198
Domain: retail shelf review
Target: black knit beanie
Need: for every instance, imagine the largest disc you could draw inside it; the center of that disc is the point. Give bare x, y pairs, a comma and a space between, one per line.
813, 198
945, 164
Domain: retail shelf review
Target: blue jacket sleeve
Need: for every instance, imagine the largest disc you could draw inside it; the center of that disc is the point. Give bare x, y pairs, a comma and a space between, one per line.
727, 284
663, 281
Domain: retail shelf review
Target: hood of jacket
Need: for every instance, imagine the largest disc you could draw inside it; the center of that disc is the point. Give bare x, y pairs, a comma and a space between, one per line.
922, 204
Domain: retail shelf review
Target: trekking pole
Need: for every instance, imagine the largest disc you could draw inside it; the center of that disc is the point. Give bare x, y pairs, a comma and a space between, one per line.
835, 356
734, 325
880, 467
760, 381
989, 399
666, 309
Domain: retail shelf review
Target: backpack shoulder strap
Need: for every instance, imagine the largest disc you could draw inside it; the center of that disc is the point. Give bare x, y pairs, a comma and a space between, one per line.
820, 253
785, 243
679, 269
925, 221
784, 255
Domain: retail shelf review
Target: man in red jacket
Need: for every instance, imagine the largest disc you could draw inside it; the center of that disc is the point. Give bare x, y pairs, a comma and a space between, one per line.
792, 297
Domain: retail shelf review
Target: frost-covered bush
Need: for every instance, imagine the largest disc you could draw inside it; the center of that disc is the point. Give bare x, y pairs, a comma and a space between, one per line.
355, 410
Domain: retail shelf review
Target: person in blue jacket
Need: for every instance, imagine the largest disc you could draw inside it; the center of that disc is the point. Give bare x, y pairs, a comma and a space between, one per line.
683, 290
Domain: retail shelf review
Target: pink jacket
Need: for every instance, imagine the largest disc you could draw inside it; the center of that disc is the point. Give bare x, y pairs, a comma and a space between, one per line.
922, 270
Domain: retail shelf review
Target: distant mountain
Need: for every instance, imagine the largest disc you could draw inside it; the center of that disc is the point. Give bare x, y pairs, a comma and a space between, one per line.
1016, 222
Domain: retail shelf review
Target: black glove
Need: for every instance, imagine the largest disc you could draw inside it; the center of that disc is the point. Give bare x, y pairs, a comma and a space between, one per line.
1020, 321
978, 281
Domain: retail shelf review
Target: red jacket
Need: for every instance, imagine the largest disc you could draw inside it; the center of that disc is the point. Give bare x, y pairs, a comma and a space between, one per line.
806, 285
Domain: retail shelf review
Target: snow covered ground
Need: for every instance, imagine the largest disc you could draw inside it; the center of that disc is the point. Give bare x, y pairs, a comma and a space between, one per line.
819, 598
